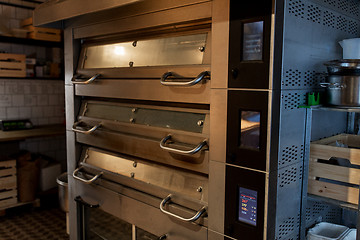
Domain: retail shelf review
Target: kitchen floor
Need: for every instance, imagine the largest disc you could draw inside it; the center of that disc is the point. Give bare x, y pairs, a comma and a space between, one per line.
33, 224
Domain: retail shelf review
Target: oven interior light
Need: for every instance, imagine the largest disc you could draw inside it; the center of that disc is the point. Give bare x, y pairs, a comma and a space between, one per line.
119, 50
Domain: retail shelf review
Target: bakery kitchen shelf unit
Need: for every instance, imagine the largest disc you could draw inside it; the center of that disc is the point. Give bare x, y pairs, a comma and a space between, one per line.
324, 179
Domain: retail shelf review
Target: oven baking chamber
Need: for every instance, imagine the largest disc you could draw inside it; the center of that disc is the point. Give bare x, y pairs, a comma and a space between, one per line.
163, 67
168, 135
136, 193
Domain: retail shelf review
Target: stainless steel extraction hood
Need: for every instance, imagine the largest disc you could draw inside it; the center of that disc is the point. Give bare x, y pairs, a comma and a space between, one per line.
57, 10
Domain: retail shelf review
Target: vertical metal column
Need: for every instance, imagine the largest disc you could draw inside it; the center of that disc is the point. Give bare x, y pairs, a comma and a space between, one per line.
305, 172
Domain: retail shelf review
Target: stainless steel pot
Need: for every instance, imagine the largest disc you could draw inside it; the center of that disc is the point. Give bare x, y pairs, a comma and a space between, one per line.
343, 91
343, 83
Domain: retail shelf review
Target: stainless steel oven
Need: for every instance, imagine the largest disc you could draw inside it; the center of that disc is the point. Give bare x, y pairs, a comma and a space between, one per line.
141, 124
184, 117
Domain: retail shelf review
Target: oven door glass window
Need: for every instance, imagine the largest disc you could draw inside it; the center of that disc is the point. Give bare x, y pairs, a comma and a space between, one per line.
250, 130
186, 121
104, 226
253, 41
182, 50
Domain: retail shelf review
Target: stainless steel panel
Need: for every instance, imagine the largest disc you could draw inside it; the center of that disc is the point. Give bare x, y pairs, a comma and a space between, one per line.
145, 73
70, 54
169, 118
179, 50
180, 17
146, 148
187, 184
216, 196
141, 7
70, 105
220, 43
312, 32
218, 112
289, 195
72, 193
133, 211
55, 10
151, 90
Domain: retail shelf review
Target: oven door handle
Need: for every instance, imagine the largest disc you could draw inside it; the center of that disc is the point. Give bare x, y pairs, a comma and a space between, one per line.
184, 152
90, 80
198, 79
91, 130
197, 215
87, 181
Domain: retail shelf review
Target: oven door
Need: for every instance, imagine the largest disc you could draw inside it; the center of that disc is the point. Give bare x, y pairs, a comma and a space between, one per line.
105, 214
138, 199
171, 136
172, 68
187, 188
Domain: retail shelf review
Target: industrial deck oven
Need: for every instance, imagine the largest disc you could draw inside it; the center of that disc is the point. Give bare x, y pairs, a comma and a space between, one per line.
184, 118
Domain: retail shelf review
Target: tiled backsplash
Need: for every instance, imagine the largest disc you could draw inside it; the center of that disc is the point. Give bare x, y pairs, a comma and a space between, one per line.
42, 101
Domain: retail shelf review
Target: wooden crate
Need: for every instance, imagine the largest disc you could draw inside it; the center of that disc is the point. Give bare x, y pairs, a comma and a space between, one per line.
40, 33
320, 171
8, 183
12, 65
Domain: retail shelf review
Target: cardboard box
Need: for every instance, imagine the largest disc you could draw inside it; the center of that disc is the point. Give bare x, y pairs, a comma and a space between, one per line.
48, 175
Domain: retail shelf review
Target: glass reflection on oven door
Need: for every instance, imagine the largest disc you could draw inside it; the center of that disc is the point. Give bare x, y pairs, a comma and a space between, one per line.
105, 226
250, 130
100, 225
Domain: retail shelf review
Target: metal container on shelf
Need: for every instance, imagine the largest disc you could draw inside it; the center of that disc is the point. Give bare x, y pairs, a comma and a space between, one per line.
343, 83
62, 181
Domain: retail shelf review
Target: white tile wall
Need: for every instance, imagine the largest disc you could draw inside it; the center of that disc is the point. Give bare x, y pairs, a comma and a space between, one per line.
40, 100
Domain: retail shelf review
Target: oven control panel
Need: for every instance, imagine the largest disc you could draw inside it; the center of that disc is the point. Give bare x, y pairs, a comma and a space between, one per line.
249, 44
245, 199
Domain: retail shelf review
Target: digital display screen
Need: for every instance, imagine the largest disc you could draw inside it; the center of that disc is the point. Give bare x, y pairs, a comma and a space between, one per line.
247, 206
253, 41
250, 129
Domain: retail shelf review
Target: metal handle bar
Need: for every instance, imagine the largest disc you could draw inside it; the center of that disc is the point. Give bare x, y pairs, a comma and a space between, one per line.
91, 130
184, 152
331, 85
192, 219
198, 79
90, 80
86, 180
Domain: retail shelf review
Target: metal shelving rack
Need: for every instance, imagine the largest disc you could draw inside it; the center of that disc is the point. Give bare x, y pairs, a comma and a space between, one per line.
305, 196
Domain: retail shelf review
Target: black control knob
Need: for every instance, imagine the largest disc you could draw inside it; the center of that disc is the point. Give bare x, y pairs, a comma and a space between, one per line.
234, 72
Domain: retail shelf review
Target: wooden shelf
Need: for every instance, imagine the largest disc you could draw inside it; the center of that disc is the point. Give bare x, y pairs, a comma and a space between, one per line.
28, 41
37, 131
341, 204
